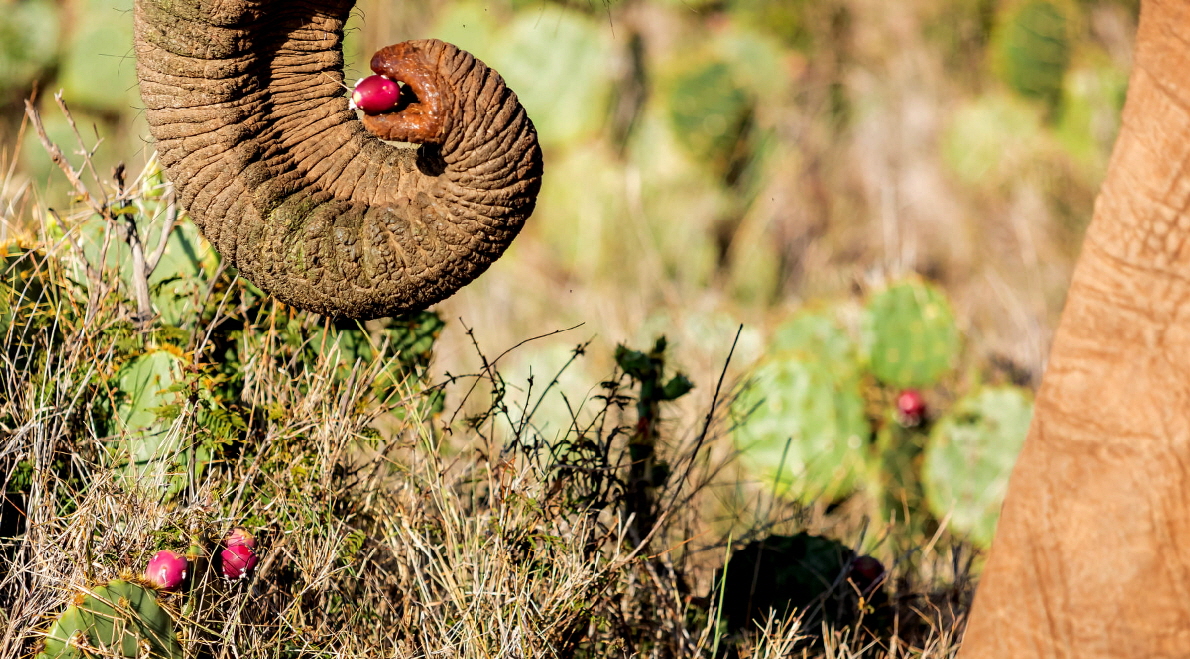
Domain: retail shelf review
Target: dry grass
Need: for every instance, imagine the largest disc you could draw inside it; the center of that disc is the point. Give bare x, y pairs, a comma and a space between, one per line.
388, 526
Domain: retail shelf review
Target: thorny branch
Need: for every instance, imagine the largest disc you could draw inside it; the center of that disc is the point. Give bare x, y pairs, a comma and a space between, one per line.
118, 212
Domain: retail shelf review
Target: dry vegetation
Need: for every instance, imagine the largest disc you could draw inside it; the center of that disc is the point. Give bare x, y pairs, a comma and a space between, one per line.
389, 525
484, 505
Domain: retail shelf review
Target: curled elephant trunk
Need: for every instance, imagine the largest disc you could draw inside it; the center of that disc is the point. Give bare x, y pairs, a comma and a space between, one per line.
245, 99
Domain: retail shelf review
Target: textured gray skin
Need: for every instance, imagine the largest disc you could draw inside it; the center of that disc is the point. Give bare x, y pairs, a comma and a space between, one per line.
246, 102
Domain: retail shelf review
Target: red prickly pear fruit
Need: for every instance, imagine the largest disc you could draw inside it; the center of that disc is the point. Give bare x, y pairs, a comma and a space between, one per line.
237, 560
240, 536
911, 408
166, 570
865, 570
375, 94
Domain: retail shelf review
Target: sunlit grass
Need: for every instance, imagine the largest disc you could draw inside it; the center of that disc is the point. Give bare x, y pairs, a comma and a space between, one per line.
389, 525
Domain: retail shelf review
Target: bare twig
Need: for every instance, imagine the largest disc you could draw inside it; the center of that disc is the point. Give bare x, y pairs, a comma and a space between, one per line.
88, 154
131, 235
119, 214
171, 218
60, 160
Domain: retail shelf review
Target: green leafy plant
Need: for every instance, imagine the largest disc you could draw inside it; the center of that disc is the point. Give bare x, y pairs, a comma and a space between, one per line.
646, 473
405, 345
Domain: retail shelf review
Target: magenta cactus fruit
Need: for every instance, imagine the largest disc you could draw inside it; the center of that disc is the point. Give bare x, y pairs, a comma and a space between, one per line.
239, 536
166, 570
375, 94
911, 408
237, 560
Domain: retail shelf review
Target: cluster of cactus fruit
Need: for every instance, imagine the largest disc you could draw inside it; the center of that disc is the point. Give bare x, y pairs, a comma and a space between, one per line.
831, 412
130, 617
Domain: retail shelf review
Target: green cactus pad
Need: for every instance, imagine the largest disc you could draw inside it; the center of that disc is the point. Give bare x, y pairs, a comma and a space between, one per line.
1031, 47
969, 457
119, 619
910, 334
145, 382
805, 431
182, 273
100, 30
149, 403
709, 112
819, 335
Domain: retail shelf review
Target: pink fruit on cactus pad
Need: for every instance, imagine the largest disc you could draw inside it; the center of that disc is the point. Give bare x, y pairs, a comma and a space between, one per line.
166, 569
237, 561
911, 407
375, 94
240, 536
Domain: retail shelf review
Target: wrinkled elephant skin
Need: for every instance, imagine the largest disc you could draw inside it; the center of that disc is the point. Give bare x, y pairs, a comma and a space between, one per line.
246, 101
1092, 555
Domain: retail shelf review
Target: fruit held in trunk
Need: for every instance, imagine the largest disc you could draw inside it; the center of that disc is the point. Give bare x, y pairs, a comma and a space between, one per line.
375, 94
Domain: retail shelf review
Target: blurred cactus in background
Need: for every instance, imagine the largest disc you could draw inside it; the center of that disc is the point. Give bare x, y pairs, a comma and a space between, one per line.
1032, 48
821, 422
28, 43
969, 457
710, 114
805, 431
911, 337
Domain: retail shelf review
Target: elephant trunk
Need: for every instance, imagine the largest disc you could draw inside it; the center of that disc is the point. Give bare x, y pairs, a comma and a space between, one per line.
245, 99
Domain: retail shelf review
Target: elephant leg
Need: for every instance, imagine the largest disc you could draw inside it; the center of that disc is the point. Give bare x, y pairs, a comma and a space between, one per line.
1092, 555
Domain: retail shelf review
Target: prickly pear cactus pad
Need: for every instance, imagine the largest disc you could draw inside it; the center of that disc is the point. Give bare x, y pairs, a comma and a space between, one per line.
709, 125
1031, 47
185, 267
119, 619
819, 335
969, 456
28, 42
805, 430
144, 382
910, 334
